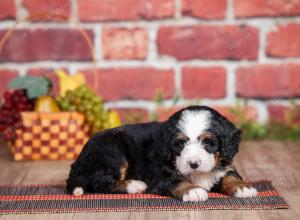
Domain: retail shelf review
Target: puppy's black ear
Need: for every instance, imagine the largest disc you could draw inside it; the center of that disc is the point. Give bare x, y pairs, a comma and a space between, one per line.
230, 145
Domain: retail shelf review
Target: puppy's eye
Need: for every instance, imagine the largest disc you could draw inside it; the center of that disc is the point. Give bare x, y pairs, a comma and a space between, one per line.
209, 142
182, 138
182, 141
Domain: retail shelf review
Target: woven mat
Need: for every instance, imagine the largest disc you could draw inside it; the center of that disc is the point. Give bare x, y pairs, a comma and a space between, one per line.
17, 199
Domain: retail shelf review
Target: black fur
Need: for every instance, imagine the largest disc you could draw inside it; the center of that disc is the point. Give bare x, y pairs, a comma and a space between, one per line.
149, 149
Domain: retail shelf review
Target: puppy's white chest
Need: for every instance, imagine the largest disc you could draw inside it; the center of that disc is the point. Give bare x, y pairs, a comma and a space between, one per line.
207, 180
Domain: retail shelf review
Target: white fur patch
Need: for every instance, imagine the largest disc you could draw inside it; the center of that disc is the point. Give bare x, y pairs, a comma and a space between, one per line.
193, 123
78, 191
207, 180
195, 195
246, 192
136, 186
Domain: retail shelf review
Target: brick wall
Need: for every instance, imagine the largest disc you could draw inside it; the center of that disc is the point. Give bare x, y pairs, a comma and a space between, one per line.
209, 50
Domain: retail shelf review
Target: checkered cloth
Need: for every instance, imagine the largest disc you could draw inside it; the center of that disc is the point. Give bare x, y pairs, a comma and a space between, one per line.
50, 136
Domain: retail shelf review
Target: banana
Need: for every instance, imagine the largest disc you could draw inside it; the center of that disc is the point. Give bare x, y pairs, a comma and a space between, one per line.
69, 82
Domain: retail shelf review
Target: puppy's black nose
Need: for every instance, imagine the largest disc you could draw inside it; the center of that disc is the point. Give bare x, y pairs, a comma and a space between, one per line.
194, 165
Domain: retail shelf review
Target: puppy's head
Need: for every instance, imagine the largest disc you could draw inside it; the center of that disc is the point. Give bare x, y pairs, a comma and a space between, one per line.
200, 140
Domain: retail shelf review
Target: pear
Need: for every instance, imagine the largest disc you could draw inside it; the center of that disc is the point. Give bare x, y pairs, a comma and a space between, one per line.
46, 104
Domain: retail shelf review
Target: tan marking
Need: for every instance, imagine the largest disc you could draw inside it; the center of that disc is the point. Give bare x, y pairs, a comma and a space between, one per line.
122, 185
182, 136
205, 135
123, 171
217, 158
182, 188
230, 184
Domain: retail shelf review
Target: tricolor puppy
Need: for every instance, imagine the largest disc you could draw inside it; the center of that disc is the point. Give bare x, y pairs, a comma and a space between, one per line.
185, 157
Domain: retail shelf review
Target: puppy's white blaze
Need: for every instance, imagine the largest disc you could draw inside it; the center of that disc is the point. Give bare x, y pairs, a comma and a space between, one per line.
193, 123
245, 192
78, 191
136, 186
195, 195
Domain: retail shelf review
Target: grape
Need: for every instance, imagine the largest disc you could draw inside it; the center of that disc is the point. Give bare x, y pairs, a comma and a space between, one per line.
81, 108
82, 89
2, 126
77, 101
59, 99
85, 103
97, 124
10, 117
79, 94
23, 99
18, 93
72, 108
64, 105
85, 100
95, 99
86, 96
90, 119
104, 116
70, 96
7, 96
8, 104
88, 107
21, 106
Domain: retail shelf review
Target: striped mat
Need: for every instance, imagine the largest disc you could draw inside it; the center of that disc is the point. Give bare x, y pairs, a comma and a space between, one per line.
29, 199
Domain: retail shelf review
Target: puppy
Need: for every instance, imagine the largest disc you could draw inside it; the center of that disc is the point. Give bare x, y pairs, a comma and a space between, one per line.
185, 157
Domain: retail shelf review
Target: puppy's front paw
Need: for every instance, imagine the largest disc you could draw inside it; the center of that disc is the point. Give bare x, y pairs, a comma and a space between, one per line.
195, 195
245, 192
78, 191
136, 186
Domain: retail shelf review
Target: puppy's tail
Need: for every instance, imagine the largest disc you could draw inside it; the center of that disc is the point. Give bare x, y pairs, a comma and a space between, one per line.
77, 185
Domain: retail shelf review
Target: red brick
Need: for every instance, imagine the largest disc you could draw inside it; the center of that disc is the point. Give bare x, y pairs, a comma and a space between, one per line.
284, 42
123, 43
268, 81
163, 113
7, 9
278, 112
108, 10
6, 76
133, 115
45, 44
48, 10
205, 9
209, 42
200, 82
265, 8
249, 113
133, 83
48, 73
284, 114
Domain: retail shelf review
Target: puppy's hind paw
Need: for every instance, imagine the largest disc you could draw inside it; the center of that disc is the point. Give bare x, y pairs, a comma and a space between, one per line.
245, 192
136, 186
78, 191
195, 195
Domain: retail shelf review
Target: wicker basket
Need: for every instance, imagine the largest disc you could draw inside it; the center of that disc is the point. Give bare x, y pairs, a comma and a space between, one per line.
50, 136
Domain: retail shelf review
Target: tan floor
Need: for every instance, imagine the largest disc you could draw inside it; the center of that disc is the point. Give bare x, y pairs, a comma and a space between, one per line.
279, 162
